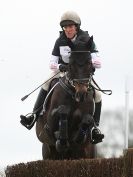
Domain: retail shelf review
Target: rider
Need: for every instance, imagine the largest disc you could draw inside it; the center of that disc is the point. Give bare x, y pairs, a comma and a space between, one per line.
70, 23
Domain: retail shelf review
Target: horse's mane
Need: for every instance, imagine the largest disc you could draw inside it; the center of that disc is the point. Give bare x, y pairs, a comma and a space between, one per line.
79, 58
80, 53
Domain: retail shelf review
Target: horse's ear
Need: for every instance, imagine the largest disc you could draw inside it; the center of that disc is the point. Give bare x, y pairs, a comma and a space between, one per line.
91, 38
90, 42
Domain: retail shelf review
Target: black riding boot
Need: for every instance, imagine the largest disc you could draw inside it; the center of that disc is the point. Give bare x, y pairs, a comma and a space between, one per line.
97, 136
29, 121
97, 113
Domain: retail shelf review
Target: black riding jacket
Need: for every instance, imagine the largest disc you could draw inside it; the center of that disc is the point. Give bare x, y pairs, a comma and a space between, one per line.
63, 46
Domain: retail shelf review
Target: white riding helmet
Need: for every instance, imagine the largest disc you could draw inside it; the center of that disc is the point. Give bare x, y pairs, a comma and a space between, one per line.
70, 18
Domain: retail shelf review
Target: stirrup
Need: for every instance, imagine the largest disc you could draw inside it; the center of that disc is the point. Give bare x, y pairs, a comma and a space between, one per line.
24, 124
95, 141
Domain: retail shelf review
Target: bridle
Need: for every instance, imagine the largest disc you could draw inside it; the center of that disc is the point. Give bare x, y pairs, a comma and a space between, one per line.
69, 83
83, 81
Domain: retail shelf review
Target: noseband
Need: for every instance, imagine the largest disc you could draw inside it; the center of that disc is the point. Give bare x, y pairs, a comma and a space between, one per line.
68, 84
84, 81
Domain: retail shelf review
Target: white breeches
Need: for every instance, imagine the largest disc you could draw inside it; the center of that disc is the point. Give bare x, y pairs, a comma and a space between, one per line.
46, 85
98, 96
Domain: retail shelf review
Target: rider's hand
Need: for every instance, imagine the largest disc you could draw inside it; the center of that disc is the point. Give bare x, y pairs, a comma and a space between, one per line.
63, 68
96, 63
53, 67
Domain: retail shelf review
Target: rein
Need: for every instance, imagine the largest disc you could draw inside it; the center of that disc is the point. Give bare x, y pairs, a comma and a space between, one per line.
71, 82
99, 89
66, 88
80, 81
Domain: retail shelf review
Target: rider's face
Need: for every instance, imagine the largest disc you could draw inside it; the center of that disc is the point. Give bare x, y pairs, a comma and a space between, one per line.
70, 31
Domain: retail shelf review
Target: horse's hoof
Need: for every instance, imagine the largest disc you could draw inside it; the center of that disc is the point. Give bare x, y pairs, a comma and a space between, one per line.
62, 146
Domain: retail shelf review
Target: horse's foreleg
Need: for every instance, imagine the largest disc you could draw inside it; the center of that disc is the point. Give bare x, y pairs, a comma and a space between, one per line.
57, 125
62, 139
84, 129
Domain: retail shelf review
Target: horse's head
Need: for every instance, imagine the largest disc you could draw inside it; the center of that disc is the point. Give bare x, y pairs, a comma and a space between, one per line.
80, 68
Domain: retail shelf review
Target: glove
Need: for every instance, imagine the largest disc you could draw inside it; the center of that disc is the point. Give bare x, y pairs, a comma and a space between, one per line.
53, 67
96, 63
63, 68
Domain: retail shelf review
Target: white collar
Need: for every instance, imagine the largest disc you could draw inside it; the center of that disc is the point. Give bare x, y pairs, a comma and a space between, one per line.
74, 38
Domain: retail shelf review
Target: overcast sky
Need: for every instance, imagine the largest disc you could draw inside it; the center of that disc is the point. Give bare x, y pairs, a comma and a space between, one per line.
28, 30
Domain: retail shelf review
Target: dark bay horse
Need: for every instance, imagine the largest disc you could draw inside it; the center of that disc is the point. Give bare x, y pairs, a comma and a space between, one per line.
65, 128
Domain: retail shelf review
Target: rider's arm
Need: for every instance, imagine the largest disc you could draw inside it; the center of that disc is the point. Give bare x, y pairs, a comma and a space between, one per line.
96, 61
54, 63
54, 60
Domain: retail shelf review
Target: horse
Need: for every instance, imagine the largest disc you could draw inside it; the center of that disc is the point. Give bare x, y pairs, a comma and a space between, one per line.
65, 127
